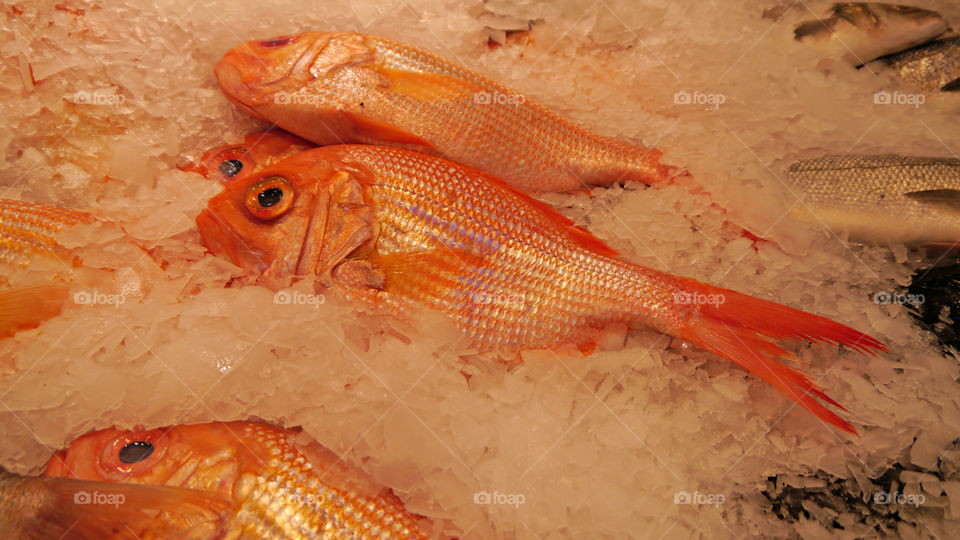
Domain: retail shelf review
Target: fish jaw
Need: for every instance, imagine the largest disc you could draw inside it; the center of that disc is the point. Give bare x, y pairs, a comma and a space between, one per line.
220, 240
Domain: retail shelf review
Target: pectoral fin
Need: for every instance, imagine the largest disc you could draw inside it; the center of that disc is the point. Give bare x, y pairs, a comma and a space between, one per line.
368, 130
947, 200
426, 274
27, 307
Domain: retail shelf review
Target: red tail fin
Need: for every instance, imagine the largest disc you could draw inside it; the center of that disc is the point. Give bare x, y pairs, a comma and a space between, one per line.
739, 328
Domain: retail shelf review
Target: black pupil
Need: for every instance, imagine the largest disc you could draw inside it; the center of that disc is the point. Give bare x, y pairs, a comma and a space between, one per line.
136, 451
231, 167
270, 196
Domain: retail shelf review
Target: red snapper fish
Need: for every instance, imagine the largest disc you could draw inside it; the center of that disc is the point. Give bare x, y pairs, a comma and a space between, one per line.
400, 229
41, 508
335, 88
275, 484
28, 248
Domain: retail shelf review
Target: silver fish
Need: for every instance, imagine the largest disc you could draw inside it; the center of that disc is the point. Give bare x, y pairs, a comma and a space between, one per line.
934, 66
862, 32
881, 198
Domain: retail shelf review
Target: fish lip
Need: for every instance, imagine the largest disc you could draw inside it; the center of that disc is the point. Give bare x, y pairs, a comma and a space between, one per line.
216, 237
251, 89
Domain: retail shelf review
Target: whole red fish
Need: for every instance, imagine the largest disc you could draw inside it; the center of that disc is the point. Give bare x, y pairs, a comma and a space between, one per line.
334, 88
276, 484
399, 229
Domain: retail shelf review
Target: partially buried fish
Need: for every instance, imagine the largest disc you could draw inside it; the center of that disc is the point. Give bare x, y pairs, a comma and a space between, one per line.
28, 247
881, 198
257, 151
862, 32
400, 229
277, 484
334, 88
40, 508
933, 66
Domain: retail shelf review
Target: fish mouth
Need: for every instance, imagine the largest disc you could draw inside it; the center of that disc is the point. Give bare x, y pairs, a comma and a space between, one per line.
243, 74
236, 87
218, 239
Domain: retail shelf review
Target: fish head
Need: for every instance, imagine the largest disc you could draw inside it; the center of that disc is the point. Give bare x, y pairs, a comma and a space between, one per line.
258, 151
862, 32
210, 457
273, 223
252, 73
308, 83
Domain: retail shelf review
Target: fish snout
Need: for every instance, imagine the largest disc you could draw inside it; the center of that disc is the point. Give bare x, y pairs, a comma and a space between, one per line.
216, 238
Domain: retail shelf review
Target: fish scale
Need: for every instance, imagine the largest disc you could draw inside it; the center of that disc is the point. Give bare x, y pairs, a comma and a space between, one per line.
932, 66
28, 230
288, 501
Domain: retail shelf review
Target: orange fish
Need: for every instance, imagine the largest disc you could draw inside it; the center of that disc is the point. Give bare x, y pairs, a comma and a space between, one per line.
40, 508
334, 88
27, 239
399, 229
278, 486
257, 151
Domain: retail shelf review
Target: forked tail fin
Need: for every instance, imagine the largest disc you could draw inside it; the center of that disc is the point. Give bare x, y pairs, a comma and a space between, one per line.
740, 328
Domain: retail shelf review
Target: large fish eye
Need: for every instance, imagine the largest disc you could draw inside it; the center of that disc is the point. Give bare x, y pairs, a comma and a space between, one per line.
270, 198
135, 451
277, 41
231, 167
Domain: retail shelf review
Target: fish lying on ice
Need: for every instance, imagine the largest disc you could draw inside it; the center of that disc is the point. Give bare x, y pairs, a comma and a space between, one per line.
862, 32
29, 257
334, 88
40, 508
400, 229
932, 67
257, 151
881, 198
277, 484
